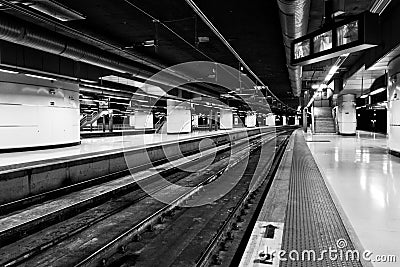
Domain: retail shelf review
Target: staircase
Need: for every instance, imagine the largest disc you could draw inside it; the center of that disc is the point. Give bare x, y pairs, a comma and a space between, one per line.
323, 121
90, 118
161, 125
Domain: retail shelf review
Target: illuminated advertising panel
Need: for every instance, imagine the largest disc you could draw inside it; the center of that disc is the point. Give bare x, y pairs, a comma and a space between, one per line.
323, 42
347, 33
350, 35
302, 49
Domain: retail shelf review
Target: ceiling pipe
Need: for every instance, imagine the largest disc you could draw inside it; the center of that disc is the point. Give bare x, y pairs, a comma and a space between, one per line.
16, 31
20, 32
294, 23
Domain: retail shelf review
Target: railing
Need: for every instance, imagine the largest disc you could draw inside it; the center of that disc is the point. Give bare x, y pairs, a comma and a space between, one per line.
160, 123
116, 127
89, 118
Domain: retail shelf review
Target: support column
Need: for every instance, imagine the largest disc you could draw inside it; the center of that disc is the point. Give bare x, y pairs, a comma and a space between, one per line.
210, 120
296, 120
179, 117
110, 120
394, 107
284, 120
346, 115
251, 119
305, 123
271, 120
132, 120
143, 119
226, 119
104, 123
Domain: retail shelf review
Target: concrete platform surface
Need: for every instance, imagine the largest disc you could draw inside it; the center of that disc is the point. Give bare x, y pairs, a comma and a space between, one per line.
102, 144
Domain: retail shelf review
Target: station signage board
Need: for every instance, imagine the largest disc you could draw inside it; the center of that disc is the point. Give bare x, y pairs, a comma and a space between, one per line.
347, 36
103, 105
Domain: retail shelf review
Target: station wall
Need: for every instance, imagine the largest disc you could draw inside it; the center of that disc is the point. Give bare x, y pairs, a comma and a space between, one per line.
37, 112
394, 106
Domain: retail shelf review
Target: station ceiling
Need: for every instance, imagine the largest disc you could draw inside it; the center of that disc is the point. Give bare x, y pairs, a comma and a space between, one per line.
252, 28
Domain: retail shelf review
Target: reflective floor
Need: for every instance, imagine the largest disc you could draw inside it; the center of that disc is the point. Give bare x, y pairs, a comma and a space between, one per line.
97, 145
366, 181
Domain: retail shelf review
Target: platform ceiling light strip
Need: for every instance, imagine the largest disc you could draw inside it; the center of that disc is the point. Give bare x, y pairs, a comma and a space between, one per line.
87, 81
364, 96
9, 71
56, 10
41, 77
379, 6
377, 91
222, 38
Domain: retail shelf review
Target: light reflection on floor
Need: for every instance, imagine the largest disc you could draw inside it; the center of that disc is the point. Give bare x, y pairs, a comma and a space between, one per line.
366, 181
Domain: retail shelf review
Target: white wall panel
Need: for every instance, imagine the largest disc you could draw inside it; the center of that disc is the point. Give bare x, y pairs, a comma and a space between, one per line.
251, 120
143, 119
284, 120
36, 112
394, 105
226, 119
271, 120
179, 117
346, 114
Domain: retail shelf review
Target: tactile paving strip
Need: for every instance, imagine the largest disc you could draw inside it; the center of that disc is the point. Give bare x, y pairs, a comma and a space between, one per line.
312, 221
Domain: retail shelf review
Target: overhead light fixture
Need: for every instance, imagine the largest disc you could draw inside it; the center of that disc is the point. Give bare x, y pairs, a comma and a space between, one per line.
379, 6
364, 96
56, 10
315, 86
377, 91
41, 77
101, 87
244, 94
149, 43
9, 71
333, 70
87, 81
203, 39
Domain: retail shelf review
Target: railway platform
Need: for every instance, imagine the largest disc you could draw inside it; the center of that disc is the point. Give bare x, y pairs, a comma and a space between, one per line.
322, 208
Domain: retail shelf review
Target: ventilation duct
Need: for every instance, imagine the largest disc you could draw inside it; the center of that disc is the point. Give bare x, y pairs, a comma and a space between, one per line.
294, 22
19, 32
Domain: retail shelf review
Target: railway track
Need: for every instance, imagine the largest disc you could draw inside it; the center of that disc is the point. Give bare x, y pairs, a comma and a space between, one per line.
110, 223
207, 235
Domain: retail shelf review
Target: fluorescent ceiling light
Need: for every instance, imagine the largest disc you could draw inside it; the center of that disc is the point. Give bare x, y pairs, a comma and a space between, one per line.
333, 70
379, 6
87, 81
56, 10
8, 71
364, 96
101, 87
41, 77
377, 91
149, 43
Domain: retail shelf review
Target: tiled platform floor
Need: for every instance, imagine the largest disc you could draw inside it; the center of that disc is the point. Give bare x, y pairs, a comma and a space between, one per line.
366, 182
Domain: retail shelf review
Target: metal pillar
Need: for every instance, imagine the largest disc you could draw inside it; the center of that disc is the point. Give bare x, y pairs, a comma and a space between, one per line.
305, 120
110, 121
